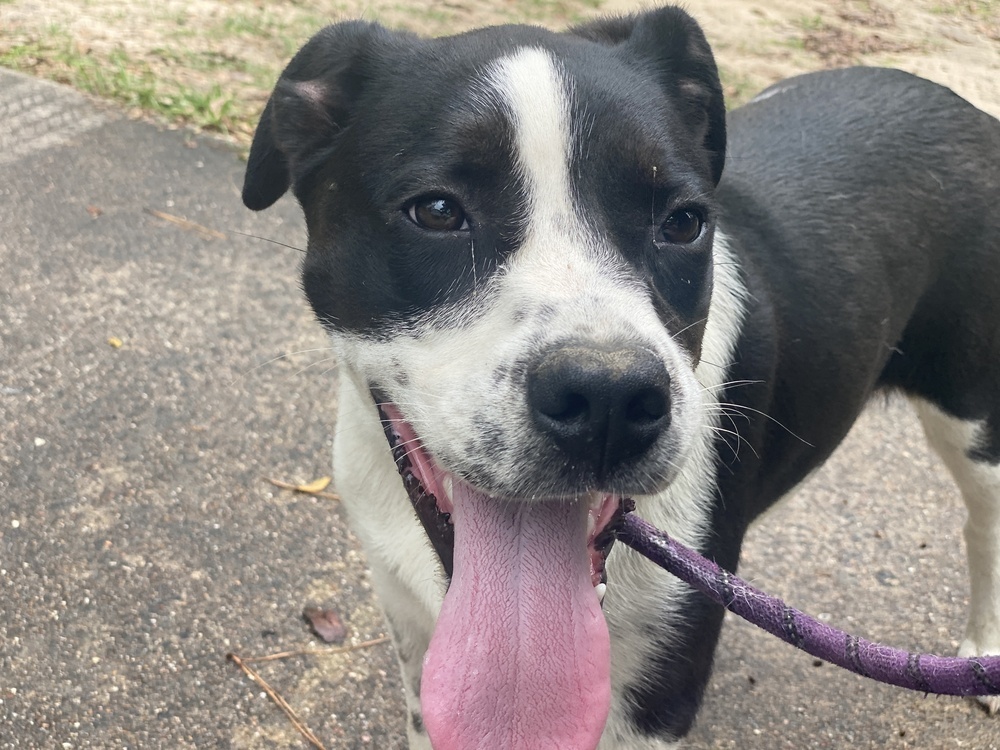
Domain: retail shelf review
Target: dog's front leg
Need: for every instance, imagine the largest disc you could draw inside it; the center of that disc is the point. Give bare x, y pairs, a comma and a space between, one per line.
411, 637
405, 570
979, 480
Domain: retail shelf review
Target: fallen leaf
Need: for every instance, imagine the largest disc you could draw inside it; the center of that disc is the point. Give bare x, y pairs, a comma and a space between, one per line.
326, 624
317, 485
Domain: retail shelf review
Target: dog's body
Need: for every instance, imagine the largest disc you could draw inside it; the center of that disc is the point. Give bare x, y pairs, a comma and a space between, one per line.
521, 246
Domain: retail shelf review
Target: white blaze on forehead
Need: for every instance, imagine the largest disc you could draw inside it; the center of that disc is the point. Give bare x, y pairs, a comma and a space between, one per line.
536, 94
537, 98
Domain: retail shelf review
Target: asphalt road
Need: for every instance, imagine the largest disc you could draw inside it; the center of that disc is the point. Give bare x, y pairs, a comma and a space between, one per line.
139, 544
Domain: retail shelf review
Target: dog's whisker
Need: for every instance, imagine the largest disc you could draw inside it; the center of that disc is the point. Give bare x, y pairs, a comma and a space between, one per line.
689, 327
268, 239
728, 415
732, 383
715, 364
652, 205
412, 442
328, 370
731, 416
472, 250
741, 407
311, 365
739, 440
285, 355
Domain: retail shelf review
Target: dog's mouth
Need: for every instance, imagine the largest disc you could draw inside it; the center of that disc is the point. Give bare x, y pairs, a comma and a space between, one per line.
520, 655
430, 491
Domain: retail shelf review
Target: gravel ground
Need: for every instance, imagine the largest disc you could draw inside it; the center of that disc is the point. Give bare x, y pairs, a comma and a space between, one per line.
138, 544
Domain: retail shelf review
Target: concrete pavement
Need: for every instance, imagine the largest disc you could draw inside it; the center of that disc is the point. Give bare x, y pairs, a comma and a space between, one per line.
138, 543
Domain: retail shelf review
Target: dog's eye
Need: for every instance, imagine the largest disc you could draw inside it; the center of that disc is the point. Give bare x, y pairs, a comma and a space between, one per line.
682, 227
438, 215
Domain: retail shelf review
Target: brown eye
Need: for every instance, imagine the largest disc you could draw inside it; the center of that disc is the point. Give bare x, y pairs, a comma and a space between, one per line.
438, 215
682, 227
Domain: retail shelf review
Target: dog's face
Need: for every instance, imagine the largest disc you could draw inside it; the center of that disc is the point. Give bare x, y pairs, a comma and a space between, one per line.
500, 230
510, 241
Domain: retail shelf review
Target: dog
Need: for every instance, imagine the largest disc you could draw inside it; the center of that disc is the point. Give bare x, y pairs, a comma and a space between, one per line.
550, 289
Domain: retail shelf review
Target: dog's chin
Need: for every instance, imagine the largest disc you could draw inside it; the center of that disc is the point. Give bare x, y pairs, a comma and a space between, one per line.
526, 584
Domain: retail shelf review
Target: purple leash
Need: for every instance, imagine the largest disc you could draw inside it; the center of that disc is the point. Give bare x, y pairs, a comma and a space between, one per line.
943, 675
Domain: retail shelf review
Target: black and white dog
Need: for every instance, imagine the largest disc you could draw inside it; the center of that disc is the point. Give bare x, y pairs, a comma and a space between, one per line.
545, 290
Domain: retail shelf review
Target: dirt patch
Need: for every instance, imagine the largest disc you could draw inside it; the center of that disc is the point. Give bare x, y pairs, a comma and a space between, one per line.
870, 14
212, 63
843, 45
837, 46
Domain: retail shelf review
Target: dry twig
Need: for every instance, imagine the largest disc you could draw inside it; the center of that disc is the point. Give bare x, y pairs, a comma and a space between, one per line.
279, 701
318, 651
185, 224
276, 697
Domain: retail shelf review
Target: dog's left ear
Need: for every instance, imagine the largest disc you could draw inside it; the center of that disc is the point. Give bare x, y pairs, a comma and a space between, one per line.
311, 103
670, 43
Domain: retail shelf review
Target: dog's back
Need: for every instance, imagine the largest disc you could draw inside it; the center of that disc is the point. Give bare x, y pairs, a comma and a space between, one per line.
865, 201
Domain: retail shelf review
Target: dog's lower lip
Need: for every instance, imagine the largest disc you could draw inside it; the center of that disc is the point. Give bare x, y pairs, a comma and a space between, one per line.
435, 519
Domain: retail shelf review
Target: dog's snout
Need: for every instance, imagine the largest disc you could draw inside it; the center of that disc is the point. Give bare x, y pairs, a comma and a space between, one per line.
600, 406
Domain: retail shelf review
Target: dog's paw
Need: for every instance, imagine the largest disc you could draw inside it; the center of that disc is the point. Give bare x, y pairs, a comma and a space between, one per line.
969, 648
989, 703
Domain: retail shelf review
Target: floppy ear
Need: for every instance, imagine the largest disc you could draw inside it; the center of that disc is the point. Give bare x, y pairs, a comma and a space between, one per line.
670, 44
310, 104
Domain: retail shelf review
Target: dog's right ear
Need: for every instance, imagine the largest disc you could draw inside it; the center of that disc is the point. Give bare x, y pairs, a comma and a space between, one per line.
310, 104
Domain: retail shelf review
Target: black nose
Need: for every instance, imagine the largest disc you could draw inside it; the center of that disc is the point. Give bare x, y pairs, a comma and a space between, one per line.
601, 407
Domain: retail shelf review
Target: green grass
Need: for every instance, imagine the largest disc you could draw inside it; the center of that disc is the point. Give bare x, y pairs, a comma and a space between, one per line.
244, 25
547, 10
115, 79
211, 62
197, 75
979, 8
119, 78
811, 23
212, 109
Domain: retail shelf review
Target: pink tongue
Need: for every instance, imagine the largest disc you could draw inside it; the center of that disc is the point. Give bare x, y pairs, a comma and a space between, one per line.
520, 657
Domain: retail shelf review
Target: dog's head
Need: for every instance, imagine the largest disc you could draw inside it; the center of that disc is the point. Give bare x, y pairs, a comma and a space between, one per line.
510, 241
